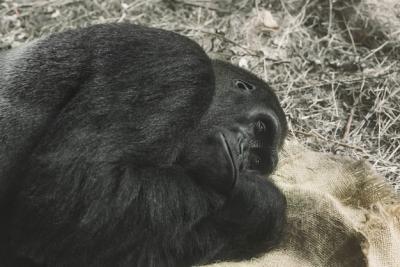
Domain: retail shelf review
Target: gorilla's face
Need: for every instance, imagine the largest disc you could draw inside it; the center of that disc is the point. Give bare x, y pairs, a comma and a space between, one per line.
242, 130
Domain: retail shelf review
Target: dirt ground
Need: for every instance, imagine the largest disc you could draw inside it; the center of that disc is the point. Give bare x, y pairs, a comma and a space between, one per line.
333, 63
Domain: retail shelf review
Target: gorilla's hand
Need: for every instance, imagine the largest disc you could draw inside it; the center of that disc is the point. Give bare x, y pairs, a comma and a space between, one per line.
255, 203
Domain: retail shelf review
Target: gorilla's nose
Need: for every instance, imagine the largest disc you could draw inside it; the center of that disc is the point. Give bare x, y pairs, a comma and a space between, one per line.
265, 127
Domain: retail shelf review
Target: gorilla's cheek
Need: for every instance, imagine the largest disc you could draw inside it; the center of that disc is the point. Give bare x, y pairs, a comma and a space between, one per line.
211, 161
219, 161
230, 157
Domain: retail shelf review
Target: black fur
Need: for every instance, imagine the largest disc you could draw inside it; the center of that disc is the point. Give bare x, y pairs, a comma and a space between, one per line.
112, 155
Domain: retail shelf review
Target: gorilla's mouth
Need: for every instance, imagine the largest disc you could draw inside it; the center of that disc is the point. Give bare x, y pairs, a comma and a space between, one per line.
261, 157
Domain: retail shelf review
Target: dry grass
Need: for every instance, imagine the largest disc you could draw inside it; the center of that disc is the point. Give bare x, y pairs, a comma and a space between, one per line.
333, 66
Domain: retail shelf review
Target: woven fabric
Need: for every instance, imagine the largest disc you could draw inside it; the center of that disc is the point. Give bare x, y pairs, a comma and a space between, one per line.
340, 213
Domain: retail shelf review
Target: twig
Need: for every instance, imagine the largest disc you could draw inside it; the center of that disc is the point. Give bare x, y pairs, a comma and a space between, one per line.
250, 51
349, 81
349, 122
316, 135
194, 4
350, 35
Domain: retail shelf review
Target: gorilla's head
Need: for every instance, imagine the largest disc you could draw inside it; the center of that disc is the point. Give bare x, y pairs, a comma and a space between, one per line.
241, 131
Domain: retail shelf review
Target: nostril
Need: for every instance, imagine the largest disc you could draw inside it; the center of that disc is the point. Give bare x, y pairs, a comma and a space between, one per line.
266, 128
260, 127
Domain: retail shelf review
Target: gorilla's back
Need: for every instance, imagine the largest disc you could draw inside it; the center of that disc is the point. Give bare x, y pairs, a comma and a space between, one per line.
39, 79
29, 97
17, 121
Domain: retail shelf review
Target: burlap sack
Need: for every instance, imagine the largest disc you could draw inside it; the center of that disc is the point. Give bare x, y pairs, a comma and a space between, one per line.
340, 213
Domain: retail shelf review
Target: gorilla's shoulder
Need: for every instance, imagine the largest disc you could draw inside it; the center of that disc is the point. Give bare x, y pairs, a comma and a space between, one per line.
125, 36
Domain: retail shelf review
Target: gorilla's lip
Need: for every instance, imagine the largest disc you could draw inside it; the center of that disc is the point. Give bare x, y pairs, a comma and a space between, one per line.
229, 155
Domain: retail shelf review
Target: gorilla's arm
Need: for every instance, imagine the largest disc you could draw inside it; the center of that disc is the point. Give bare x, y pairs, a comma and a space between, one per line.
251, 220
150, 217
213, 228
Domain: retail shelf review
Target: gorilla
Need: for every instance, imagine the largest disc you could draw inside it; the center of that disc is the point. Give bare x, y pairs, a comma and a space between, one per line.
123, 145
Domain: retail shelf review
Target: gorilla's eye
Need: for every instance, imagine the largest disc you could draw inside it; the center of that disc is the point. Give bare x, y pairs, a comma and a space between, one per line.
245, 86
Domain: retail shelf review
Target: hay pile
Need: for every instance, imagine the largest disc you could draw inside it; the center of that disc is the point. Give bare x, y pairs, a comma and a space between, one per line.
334, 64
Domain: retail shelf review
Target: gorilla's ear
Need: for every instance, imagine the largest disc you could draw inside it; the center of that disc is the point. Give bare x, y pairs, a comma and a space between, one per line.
244, 86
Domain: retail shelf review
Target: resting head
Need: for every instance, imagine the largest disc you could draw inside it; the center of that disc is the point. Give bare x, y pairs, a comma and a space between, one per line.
242, 130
